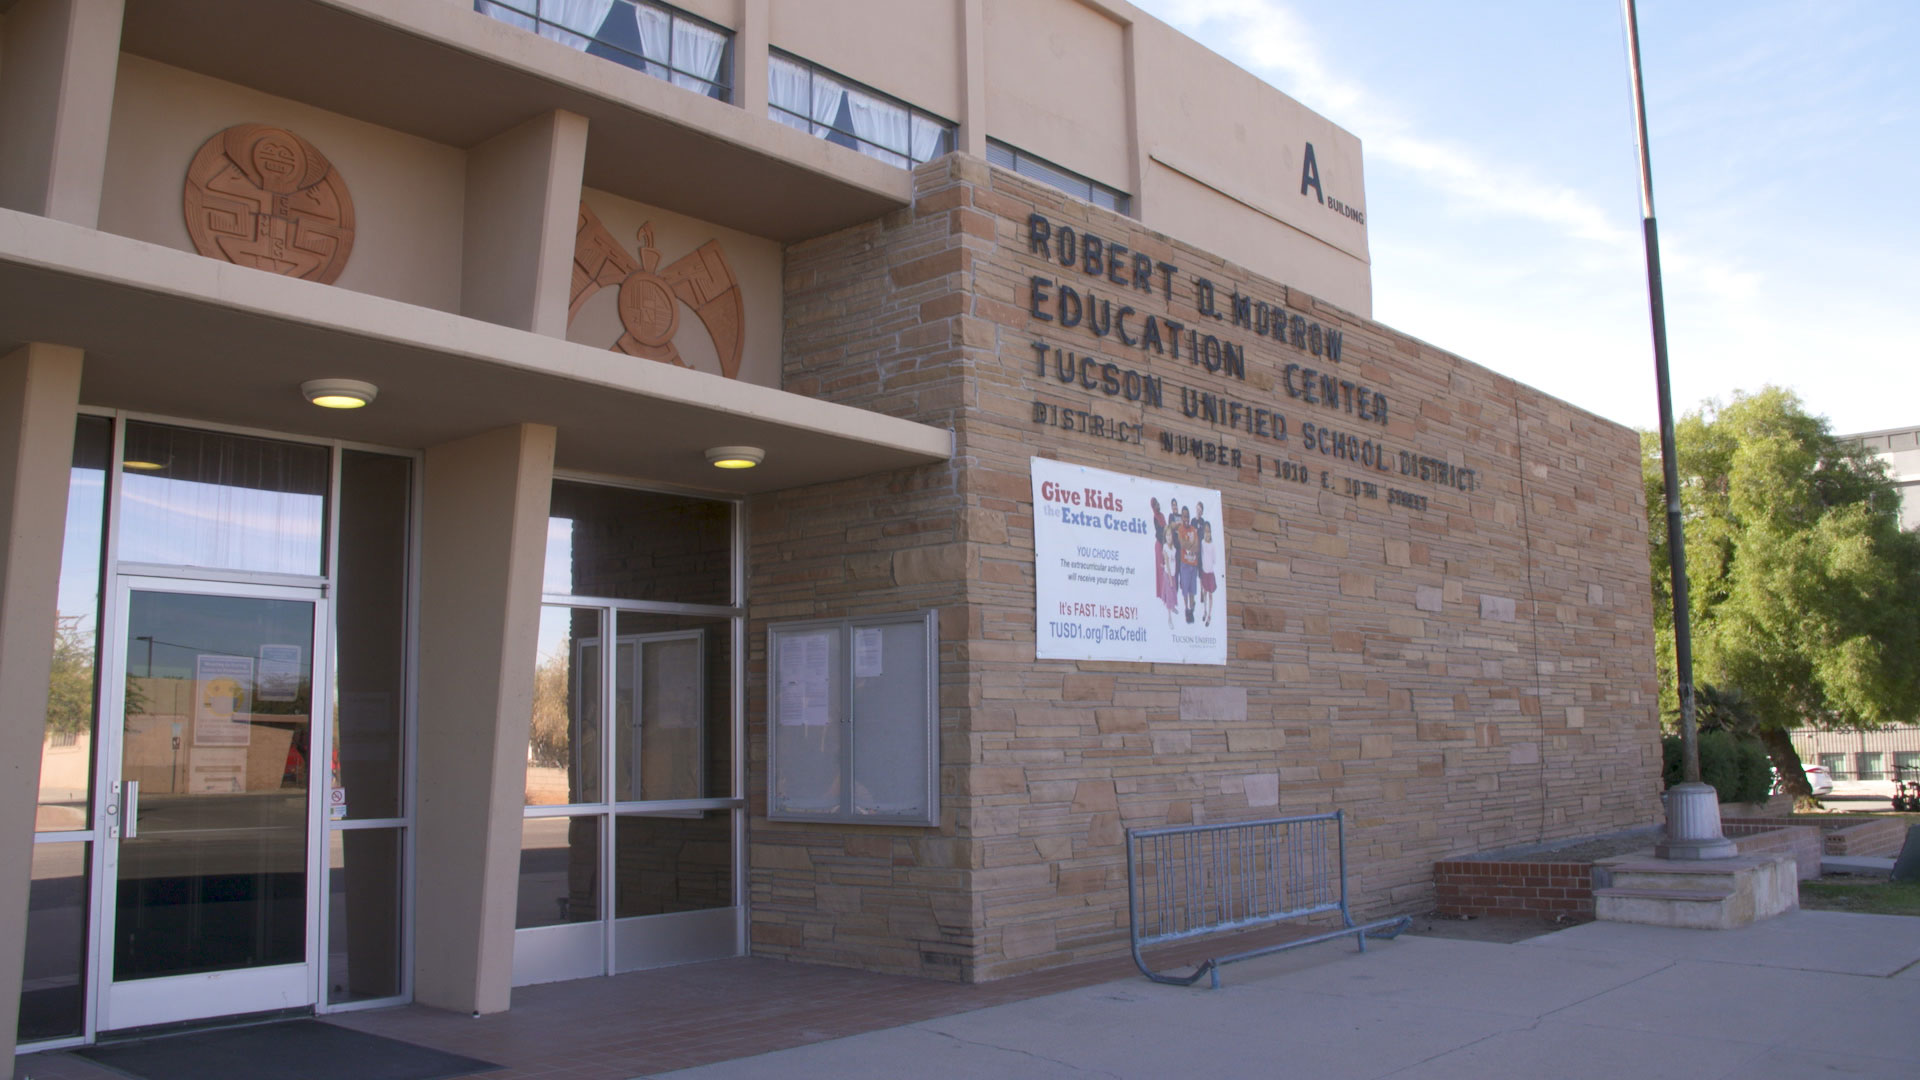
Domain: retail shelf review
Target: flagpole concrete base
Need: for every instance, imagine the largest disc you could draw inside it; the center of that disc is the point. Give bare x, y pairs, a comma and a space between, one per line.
1693, 825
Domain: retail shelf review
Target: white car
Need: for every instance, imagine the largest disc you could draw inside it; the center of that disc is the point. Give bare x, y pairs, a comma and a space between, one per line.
1818, 778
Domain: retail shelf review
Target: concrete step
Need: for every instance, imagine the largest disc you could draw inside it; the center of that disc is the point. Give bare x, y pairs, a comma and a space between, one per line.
1701, 895
1709, 894
1707, 867
1631, 872
1640, 879
1691, 909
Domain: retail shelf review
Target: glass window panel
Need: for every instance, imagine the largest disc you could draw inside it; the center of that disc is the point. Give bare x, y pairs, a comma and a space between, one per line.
806, 733
638, 545
53, 977
890, 721
1906, 763
1836, 765
1870, 765
673, 687
628, 36
363, 913
884, 128
508, 12
931, 138
672, 863
370, 611
1070, 182
563, 741
218, 710
66, 751
789, 92
231, 502
559, 871
699, 57
646, 37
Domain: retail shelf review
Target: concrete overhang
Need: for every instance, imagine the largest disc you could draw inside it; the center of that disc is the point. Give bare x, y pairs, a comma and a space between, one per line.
175, 334
441, 71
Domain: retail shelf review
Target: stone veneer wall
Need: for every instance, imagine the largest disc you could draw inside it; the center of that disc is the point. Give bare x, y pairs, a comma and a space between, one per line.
1473, 674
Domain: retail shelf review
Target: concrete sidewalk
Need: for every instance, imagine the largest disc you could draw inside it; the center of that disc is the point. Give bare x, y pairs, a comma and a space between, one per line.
1809, 993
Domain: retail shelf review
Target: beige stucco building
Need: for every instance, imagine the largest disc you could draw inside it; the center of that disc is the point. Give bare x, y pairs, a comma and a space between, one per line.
499, 679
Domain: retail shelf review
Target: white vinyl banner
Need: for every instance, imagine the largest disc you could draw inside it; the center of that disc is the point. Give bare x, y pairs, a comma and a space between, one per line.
1126, 568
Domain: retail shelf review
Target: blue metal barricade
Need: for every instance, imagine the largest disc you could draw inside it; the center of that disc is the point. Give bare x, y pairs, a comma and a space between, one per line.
1185, 881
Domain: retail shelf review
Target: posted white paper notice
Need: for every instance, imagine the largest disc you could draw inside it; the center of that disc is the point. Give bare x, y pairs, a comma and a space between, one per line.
869, 653
279, 673
222, 700
805, 676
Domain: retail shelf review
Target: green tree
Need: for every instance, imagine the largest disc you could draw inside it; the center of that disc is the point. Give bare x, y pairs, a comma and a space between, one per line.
1805, 593
70, 679
552, 719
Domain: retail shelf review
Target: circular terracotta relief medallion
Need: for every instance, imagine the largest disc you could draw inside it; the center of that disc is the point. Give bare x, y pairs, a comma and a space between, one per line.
647, 309
264, 197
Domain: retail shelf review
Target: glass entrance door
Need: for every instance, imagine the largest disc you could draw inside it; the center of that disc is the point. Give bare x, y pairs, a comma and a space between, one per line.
213, 708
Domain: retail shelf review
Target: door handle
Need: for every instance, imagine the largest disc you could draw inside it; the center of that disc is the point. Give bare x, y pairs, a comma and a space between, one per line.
130, 809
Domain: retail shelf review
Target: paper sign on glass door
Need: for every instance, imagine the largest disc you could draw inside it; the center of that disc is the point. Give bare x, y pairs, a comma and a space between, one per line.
279, 673
222, 700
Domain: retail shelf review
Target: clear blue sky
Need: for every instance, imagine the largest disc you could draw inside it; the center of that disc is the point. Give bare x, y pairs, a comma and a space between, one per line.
1503, 194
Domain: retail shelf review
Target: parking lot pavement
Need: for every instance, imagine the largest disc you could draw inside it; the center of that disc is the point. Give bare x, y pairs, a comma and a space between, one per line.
1808, 992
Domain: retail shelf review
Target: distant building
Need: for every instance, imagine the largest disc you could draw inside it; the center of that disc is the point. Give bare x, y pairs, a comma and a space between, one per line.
1870, 758
1900, 449
1876, 758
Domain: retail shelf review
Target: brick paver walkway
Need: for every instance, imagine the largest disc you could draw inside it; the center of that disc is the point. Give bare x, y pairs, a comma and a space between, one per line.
672, 1018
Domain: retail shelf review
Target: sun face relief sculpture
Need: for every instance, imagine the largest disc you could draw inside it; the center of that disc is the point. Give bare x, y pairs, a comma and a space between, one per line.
650, 294
264, 197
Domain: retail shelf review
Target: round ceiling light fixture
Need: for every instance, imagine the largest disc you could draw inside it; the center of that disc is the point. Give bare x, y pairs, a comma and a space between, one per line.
339, 393
735, 457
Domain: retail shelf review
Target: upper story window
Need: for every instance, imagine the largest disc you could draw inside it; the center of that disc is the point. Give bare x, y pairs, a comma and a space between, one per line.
1080, 187
807, 96
662, 41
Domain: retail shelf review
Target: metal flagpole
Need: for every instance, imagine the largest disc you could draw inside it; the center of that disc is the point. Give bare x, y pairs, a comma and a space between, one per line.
1693, 808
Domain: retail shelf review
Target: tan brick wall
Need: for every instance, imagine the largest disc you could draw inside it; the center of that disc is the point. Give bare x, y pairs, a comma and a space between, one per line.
1472, 674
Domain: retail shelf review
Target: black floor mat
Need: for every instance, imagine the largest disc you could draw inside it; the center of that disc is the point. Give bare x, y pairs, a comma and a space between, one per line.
291, 1050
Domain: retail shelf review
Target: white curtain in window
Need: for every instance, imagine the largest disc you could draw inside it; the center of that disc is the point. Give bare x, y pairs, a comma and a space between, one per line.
926, 138
507, 14
881, 126
697, 52
787, 93
826, 103
583, 17
655, 28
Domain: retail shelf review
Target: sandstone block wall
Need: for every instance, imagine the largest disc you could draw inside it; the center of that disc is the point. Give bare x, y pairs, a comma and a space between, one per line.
1448, 636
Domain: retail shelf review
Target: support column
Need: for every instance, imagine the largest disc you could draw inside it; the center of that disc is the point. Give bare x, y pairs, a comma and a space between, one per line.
39, 390
58, 63
522, 212
973, 77
483, 542
1136, 140
750, 45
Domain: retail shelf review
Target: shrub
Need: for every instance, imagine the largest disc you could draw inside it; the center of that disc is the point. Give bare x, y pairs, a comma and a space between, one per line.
1738, 769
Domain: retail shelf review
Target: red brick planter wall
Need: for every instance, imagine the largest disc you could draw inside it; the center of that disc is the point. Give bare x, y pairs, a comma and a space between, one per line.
1756, 836
1878, 839
1472, 887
